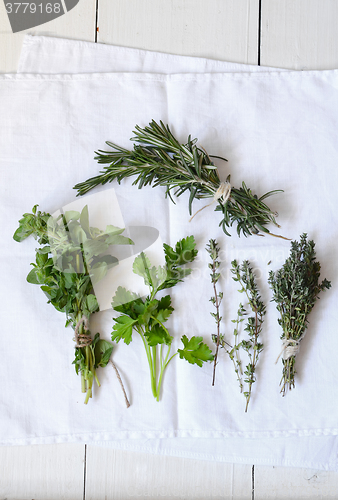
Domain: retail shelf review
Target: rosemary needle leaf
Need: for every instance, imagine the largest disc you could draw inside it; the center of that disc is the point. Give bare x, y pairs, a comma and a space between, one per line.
159, 159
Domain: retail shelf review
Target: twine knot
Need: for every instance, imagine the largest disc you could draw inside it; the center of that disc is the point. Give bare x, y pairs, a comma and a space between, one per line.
82, 339
290, 347
222, 193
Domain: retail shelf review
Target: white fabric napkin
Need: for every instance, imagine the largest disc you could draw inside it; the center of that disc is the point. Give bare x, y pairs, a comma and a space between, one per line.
277, 129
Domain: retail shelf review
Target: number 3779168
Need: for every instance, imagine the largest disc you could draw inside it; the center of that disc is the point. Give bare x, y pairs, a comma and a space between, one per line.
33, 8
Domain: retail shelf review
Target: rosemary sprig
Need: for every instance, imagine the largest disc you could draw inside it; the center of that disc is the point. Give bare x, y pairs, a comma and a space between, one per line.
245, 277
295, 289
159, 159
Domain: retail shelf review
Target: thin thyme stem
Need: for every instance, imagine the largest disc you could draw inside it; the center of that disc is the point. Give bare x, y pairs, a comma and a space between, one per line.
218, 328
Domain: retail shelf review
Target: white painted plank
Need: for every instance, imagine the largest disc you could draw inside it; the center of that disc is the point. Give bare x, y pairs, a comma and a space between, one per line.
42, 472
299, 34
219, 29
78, 23
283, 482
128, 474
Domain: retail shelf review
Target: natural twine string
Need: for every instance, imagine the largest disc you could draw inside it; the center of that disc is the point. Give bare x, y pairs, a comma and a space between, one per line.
81, 339
223, 193
290, 347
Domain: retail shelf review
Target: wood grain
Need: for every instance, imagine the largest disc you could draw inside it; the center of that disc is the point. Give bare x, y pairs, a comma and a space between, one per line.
219, 29
49, 472
299, 34
295, 34
284, 482
139, 475
78, 23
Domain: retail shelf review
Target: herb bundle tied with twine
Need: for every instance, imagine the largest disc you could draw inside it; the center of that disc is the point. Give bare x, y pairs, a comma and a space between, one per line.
71, 257
159, 159
295, 288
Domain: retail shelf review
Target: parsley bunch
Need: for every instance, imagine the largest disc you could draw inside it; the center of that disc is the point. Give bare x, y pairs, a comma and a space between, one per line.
70, 258
296, 288
159, 159
147, 315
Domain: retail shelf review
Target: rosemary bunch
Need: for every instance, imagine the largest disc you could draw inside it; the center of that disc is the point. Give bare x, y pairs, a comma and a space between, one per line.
245, 277
159, 159
296, 288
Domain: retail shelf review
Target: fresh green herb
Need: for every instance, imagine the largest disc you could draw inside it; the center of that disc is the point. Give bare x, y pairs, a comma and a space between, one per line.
234, 351
70, 259
147, 316
295, 289
245, 277
213, 251
159, 159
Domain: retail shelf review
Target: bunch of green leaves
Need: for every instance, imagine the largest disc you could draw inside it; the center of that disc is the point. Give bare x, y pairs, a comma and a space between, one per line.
159, 159
296, 288
147, 315
244, 275
70, 258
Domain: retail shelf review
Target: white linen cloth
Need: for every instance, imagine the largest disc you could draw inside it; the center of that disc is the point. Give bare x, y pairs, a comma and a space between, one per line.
277, 129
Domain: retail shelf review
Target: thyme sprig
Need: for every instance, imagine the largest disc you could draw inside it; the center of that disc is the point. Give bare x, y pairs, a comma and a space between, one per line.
72, 255
159, 159
244, 275
213, 250
296, 288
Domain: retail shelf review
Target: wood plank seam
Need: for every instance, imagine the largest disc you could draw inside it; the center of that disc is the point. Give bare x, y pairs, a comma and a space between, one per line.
259, 32
258, 62
96, 19
253, 483
84, 472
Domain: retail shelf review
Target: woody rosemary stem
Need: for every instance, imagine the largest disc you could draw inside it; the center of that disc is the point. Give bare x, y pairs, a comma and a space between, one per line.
159, 159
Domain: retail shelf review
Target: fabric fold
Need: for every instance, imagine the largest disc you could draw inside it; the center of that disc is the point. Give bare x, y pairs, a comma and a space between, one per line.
277, 129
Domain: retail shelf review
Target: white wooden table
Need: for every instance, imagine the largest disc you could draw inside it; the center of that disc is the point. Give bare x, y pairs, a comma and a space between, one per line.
294, 34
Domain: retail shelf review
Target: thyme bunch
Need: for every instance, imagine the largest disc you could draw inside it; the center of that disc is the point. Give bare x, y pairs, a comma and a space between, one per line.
296, 288
159, 159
